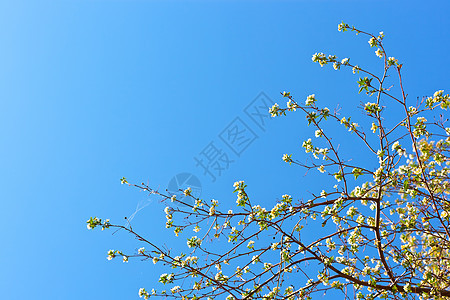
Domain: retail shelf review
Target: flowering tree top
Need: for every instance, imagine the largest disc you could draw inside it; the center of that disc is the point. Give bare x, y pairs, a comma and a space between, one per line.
384, 230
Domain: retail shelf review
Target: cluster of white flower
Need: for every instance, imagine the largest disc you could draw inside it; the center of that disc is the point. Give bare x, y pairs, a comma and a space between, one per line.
239, 272
168, 210
437, 97
373, 42
310, 100
287, 158
342, 26
366, 270
397, 147
322, 277
357, 192
420, 127
166, 278
255, 259
352, 211
220, 276
239, 187
289, 290
285, 255
175, 289
353, 126
267, 266
194, 242
354, 239
370, 221
272, 294
197, 286
392, 61
330, 244
275, 110
412, 110
374, 127
277, 210
257, 212
308, 146
187, 192
111, 254
274, 246
421, 120
318, 133
337, 65
377, 175
94, 222
338, 176
321, 169
320, 58
322, 151
198, 203
372, 108
291, 105
143, 293
444, 99
286, 94
251, 244
379, 53
286, 199
234, 231
178, 261
438, 94
190, 260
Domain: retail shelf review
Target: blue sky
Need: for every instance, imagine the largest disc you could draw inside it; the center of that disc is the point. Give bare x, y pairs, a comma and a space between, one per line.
92, 91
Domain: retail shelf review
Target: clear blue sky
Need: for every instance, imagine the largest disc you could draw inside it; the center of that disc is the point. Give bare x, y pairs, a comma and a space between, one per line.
91, 91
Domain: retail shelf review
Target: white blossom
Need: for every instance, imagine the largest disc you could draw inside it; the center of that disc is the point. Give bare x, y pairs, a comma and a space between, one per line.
310, 100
